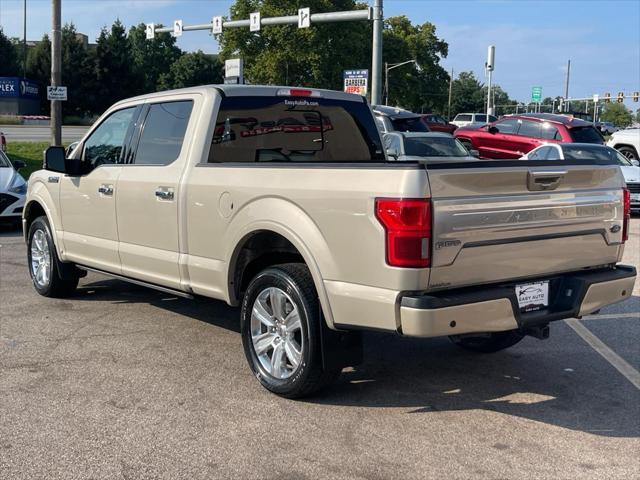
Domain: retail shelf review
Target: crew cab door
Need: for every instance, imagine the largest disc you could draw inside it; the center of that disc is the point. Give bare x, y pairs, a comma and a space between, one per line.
148, 194
88, 202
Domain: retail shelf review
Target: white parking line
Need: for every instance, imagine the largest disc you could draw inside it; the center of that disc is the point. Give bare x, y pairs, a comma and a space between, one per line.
609, 355
612, 315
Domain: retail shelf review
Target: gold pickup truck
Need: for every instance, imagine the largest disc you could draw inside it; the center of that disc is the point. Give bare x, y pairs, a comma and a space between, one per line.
283, 201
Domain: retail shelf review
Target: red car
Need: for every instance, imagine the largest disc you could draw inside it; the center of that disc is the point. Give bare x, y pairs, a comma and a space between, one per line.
437, 124
515, 135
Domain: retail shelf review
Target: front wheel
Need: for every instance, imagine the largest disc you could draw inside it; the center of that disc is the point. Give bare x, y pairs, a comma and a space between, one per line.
44, 267
487, 342
281, 324
629, 153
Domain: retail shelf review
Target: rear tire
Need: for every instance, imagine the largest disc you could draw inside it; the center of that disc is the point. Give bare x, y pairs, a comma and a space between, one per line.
629, 153
45, 268
280, 326
488, 342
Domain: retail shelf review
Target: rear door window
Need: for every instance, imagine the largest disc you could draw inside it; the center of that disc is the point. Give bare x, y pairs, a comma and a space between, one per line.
585, 135
530, 129
294, 129
549, 132
508, 125
163, 133
462, 117
481, 118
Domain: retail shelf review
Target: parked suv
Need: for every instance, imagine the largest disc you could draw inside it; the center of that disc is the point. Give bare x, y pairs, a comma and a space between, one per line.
472, 119
514, 135
393, 119
438, 124
627, 142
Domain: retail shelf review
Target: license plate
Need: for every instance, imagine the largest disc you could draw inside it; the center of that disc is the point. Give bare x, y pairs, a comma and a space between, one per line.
533, 296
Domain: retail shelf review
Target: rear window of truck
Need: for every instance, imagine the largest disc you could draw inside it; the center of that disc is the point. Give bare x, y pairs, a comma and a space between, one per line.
294, 129
585, 135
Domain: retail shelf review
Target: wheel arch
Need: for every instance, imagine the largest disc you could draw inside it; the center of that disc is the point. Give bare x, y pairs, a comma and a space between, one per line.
37, 205
628, 145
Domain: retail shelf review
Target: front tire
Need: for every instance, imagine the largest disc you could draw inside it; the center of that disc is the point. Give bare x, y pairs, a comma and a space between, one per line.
280, 325
44, 266
629, 153
487, 342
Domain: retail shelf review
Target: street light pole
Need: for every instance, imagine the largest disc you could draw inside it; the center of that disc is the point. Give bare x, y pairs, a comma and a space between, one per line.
24, 41
449, 102
56, 80
391, 66
376, 58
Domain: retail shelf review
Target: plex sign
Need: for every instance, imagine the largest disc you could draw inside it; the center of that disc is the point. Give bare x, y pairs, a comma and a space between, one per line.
16, 87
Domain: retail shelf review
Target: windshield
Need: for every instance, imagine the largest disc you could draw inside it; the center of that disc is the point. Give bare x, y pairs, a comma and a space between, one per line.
586, 135
4, 161
593, 152
434, 147
414, 124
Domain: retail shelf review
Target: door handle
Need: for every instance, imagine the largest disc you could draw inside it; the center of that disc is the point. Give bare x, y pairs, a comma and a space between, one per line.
164, 194
105, 189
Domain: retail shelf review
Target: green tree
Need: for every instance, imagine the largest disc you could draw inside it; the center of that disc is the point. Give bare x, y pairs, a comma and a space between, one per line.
8, 57
39, 69
151, 58
192, 69
637, 119
618, 114
114, 70
467, 94
77, 73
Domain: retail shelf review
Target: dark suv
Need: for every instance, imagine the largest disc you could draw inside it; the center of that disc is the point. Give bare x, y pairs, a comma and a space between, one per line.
514, 135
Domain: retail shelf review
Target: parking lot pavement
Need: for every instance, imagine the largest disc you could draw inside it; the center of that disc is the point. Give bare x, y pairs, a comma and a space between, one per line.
124, 382
37, 133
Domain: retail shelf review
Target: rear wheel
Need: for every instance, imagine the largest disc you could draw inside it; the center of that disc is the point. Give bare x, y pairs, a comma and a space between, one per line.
629, 152
487, 342
44, 267
281, 324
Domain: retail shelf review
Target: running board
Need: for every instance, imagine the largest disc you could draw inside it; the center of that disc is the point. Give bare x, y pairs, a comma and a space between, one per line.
178, 293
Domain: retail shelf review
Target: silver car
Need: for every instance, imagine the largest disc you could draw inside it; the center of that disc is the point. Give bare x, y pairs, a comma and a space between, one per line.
433, 146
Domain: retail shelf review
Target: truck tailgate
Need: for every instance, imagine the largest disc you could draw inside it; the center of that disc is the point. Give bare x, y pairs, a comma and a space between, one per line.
502, 221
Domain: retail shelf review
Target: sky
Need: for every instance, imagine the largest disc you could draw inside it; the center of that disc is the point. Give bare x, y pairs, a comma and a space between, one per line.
533, 39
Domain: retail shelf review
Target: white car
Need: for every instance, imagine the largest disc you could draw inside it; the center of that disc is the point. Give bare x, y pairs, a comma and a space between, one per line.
13, 189
606, 128
584, 151
627, 142
472, 119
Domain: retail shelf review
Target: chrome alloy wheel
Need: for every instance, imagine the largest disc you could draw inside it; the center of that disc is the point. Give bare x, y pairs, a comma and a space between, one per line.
40, 258
276, 332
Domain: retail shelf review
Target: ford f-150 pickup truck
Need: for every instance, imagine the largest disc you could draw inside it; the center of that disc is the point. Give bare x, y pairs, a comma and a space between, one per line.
282, 201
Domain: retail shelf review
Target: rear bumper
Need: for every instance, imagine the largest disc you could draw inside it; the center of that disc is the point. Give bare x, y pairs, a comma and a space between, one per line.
494, 308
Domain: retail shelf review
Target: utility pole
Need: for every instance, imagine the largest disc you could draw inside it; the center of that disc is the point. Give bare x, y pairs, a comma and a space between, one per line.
449, 102
24, 41
56, 80
566, 87
376, 60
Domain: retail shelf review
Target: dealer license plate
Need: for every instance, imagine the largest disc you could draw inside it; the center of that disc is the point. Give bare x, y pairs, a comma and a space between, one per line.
533, 296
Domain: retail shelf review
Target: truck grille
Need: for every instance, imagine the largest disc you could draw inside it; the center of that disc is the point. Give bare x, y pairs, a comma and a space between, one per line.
633, 187
6, 200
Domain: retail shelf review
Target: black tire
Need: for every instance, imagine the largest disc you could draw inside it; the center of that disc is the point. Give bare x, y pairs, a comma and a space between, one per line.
61, 283
629, 152
309, 376
488, 342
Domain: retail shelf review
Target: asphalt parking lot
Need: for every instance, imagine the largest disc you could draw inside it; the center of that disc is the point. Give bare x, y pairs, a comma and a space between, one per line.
124, 382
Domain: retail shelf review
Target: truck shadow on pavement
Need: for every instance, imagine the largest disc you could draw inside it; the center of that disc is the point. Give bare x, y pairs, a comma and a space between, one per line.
559, 381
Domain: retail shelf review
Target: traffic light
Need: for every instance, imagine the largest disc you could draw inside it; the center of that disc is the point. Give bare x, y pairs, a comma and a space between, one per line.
620, 97
607, 97
636, 95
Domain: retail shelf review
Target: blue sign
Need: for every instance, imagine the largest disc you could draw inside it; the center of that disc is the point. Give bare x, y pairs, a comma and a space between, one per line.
18, 87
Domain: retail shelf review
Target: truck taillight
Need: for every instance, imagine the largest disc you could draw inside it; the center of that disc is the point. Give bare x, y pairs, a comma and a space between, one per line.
626, 200
407, 224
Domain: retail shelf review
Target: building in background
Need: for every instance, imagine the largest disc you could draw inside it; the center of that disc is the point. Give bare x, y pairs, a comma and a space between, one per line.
19, 96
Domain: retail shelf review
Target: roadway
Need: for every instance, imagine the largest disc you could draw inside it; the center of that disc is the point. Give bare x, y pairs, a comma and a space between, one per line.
124, 382
36, 133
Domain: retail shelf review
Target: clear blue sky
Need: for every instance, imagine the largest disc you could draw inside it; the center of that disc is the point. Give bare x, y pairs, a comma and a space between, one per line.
533, 39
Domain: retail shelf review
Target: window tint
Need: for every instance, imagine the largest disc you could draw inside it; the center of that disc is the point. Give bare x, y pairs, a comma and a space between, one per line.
530, 129
492, 118
508, 125
163, 133
463, 117
552, 154
105, 144
409, 125
586, 135
539, 154
589, 152
550, 132
294, 129
481, 118
434, 147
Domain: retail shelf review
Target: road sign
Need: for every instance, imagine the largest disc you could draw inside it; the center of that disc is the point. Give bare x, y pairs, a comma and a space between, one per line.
596, 97
254, 21
304, 17
536, 94
233, 68
216, 25
56, 93
356, 81
177, 28
151, 31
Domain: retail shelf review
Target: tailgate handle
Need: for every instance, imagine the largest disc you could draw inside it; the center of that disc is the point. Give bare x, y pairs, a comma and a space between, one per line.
537, 181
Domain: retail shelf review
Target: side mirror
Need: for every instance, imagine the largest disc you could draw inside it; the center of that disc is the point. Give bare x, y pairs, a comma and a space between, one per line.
56, 161
392, 153
493, 130
474, 153
18, 164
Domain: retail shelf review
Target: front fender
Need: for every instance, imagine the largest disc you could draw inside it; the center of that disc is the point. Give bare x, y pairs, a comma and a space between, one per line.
289, 220
38, 193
